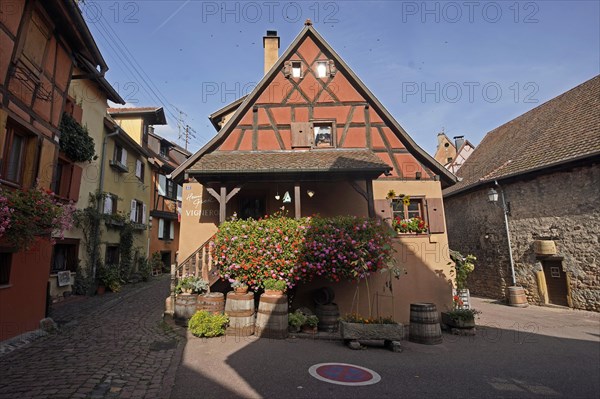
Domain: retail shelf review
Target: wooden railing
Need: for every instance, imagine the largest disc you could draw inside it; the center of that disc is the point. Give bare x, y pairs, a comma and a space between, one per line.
199, 263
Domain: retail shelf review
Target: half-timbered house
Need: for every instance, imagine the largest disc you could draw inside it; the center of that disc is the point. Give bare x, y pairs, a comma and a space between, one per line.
312, 138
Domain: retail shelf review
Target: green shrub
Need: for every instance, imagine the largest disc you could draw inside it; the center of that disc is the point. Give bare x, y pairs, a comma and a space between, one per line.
272, 284
191, 283
311, 321
109, 277
144, 268
75, 140
296, 319
206, 324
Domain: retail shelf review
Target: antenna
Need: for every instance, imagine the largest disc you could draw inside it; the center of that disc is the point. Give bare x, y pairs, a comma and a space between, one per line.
190, 133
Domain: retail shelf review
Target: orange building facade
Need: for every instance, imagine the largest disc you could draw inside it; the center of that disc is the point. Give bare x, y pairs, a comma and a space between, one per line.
40, 42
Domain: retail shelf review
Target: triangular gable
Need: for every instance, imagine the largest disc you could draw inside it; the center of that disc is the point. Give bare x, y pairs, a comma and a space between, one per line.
312, 47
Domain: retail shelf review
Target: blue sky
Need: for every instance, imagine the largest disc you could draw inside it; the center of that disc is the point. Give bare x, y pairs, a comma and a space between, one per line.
466, 67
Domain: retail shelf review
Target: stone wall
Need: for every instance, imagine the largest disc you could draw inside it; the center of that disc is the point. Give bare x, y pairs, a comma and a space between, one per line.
561, 206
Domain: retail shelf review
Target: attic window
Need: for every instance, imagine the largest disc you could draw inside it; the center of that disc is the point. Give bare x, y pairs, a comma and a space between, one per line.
323, 134
296, 69
322, 69
164, 149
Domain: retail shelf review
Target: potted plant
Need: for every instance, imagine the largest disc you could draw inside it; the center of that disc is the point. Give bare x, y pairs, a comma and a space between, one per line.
191, 285
310, 326
239, 287
295, 321
108, 277
463, 266
460, 318
274, 287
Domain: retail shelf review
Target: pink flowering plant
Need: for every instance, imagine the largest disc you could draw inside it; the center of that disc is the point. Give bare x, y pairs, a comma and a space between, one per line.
25, 214
297, 250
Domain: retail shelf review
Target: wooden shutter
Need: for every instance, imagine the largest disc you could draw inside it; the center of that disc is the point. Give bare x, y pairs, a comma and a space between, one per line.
179, 193
332, 68
172, 230
287, 69
76, 172
161, 228
144, 214
302, 134
162, 185
435, 215
132, 215
108, 204
383, 210
47, 164
124, 157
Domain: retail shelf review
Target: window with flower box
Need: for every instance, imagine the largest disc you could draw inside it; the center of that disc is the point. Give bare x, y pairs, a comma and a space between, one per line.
408, 215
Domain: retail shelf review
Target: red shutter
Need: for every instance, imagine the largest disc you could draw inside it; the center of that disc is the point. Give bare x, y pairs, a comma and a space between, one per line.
75, 183
383, 210
435, 215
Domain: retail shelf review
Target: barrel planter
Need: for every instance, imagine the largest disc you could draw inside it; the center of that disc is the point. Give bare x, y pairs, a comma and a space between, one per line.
272, 317
240, 309
213, 302
185, 305
517, 297
424, 324
371, 332
329, 316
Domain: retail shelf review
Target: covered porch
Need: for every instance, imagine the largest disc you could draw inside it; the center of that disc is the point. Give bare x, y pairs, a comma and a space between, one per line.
300, 183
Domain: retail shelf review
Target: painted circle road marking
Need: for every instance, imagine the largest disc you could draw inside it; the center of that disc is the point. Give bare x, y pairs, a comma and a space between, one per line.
344, 374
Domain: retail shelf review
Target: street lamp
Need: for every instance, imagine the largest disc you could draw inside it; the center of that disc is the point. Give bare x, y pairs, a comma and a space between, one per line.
517, 294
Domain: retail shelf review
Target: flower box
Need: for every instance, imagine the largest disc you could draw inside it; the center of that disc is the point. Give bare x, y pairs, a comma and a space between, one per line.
457, 322
365, 332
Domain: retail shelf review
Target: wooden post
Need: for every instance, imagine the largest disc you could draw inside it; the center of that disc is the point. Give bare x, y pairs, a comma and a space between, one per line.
204, 264
222, 204
198, 260
298, 212
370, 201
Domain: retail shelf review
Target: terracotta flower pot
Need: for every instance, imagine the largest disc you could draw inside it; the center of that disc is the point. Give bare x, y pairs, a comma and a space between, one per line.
241, 290
309, 329
100, 290
273, 292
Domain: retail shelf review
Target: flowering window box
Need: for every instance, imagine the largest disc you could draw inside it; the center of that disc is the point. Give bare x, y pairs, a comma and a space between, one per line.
366, 332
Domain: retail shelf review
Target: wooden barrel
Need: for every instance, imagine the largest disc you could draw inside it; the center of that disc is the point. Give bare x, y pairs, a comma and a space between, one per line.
329, 317
185, 305
240, 309
272, 317
424, 324
213, 302
517, 297
323, 296
544, 247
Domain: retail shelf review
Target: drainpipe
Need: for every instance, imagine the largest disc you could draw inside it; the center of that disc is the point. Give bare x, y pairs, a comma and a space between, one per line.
505, 211
101, 190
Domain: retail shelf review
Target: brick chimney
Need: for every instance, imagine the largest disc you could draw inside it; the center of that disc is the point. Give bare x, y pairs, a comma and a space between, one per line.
271, 46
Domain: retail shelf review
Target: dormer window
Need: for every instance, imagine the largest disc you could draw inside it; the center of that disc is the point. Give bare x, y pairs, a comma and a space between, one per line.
322, 69
296, 69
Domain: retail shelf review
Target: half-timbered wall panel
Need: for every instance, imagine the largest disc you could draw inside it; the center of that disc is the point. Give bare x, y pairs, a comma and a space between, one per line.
301, 96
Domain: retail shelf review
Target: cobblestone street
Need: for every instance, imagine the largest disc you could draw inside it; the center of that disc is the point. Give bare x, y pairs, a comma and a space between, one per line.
111, 346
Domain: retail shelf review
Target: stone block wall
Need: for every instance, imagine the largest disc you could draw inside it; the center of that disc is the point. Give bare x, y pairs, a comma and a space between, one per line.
562, 206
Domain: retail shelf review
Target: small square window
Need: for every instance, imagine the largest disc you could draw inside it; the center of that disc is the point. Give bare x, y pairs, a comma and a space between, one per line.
322, 69
296, 69
323, 135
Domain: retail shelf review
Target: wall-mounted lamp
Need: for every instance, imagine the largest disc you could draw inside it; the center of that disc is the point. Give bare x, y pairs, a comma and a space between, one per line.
310, 193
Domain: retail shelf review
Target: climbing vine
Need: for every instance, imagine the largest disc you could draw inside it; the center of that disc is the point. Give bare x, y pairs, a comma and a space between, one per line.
88, 220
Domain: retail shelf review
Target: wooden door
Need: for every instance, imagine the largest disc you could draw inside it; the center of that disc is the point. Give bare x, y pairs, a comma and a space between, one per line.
556, 282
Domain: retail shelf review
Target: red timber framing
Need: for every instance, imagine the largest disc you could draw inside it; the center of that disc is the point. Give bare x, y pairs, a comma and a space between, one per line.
320, 107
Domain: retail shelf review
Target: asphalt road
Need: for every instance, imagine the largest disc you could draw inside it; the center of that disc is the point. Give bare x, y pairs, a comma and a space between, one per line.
535, 352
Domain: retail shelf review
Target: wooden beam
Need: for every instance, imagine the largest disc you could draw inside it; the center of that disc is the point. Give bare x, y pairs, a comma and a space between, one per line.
212, 192
232, 193
222, 204
370, 200
359, 189
298, 212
